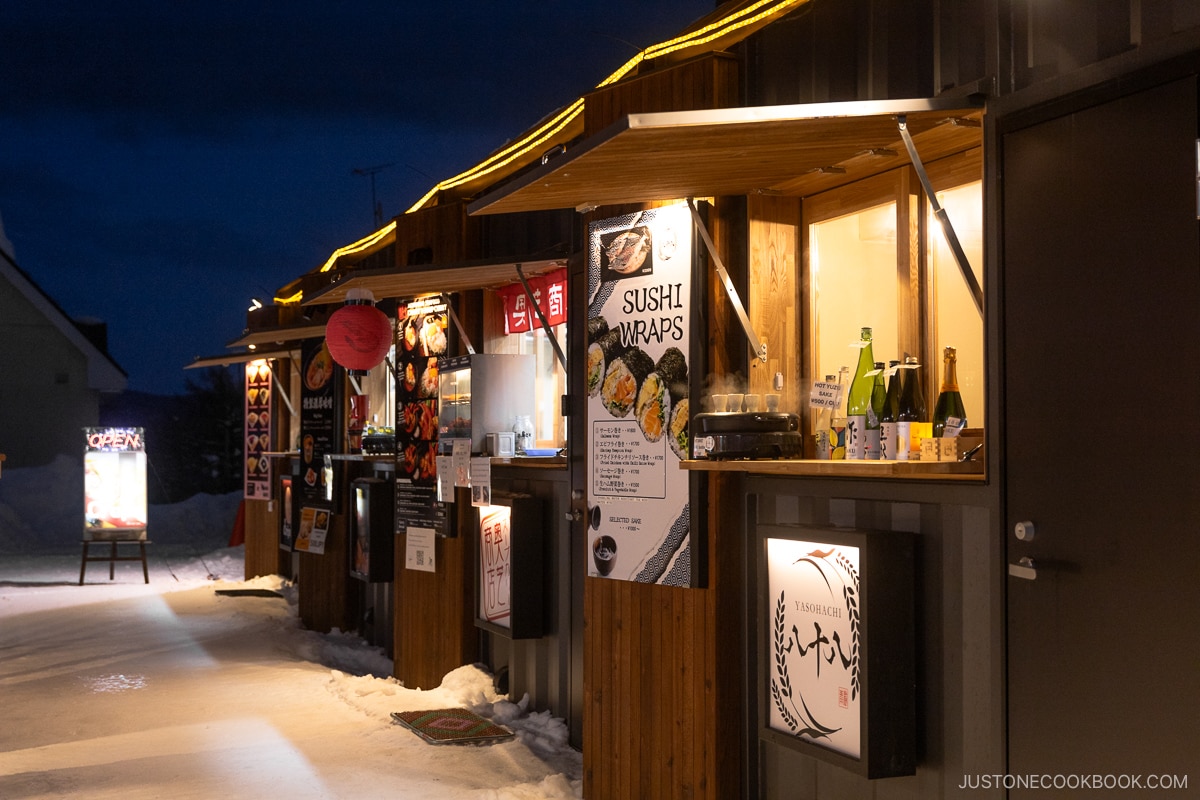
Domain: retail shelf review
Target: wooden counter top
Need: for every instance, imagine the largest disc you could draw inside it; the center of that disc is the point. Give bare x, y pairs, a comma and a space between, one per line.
907, 470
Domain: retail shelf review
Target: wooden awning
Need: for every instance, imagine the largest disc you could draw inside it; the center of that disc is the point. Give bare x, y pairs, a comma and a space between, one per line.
238, 358
271, 336
403, 282
790, 150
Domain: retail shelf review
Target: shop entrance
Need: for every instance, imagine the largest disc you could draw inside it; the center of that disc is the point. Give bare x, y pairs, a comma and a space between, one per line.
1101, 319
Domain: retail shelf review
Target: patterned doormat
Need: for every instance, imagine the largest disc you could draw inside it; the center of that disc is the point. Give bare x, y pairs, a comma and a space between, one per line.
452, 726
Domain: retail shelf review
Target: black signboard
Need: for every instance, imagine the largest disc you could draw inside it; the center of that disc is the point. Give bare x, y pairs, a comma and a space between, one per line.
320, 419
421, 341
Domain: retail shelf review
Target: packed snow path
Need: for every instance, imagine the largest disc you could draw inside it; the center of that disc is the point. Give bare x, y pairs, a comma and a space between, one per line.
125, 691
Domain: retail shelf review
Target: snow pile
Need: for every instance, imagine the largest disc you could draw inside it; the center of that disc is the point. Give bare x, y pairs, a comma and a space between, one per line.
41, 511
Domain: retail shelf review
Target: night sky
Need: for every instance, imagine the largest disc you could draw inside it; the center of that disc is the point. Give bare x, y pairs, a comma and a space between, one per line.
163, 163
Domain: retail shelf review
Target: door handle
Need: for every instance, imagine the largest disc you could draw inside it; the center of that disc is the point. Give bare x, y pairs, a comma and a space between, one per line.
1024, 569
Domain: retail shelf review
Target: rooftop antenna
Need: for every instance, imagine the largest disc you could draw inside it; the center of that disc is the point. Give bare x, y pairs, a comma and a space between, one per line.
376, 207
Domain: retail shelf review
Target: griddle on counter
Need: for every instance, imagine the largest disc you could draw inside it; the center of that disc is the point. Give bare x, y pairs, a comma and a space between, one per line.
749, 434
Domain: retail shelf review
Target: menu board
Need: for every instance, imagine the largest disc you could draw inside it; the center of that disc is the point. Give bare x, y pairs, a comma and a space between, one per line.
638, 408
421, 341
320, 424
257, 424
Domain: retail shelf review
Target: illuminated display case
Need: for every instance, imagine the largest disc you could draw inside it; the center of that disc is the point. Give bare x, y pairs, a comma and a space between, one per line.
483, 393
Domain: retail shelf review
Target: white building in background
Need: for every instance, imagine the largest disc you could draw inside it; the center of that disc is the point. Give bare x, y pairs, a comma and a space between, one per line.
54, 371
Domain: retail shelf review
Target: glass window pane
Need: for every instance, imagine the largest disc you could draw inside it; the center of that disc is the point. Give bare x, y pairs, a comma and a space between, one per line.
853, 284
956, 321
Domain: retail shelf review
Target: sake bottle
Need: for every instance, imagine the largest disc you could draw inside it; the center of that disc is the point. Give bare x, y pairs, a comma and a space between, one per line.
874, 414
912, 406
823, 428
859, 400
949, 415
889, 416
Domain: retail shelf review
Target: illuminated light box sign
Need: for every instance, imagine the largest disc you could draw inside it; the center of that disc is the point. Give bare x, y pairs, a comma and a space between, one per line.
114, 484
836, 647
258, 427
641, 370
509, 590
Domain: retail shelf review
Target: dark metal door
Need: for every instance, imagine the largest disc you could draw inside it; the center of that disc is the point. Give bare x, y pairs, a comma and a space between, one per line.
1101, 325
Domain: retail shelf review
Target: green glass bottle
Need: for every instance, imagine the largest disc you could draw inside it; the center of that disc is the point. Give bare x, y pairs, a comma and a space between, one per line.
859, 400
889, 417
949, 415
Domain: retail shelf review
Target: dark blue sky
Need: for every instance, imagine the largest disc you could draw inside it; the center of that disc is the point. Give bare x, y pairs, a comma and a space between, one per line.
163, 163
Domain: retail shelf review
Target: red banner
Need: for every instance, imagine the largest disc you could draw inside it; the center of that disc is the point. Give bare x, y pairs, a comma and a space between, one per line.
550, 292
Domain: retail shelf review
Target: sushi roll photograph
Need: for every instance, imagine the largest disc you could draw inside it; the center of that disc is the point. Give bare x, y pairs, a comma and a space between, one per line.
679, 428
600, 355
659, 393
623, 379
596, 327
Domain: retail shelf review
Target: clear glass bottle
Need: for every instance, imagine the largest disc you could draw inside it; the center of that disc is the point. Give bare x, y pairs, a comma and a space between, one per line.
522, 434
859, 401
949, 415
823, 428
837, 433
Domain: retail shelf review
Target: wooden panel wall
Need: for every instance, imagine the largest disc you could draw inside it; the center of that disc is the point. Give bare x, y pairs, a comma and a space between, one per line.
325, 599
707, 82
663, 666
447, 231
434, 630
262, 538
773, 298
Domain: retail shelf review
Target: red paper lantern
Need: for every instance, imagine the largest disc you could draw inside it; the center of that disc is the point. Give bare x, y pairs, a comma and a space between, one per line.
358, 335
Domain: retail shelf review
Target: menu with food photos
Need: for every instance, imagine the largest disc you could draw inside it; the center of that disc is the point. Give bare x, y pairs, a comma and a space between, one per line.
321, 427
258, 427
421, 341
638, 404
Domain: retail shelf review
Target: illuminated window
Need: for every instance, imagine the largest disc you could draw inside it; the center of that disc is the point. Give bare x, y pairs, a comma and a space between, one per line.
873, 261
550, 429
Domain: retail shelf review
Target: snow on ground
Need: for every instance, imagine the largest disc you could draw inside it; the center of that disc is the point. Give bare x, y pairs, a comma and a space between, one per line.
123, 689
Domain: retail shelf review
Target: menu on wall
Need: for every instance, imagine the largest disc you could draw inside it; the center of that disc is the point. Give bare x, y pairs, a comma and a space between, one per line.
258, 426
422, 340
638, 352
320, 423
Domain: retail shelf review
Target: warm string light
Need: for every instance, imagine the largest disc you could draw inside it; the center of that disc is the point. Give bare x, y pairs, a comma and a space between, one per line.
750, 15
537, 138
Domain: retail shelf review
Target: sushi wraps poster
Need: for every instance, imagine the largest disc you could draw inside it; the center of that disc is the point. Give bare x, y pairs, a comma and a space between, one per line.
639, 307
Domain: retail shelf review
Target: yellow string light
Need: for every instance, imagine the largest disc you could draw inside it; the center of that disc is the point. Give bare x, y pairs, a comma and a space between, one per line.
537, 138
751, 14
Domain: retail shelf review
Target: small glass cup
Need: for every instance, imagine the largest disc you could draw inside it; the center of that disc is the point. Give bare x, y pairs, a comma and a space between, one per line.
752, 402
735, 402
718, 402
773, 402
